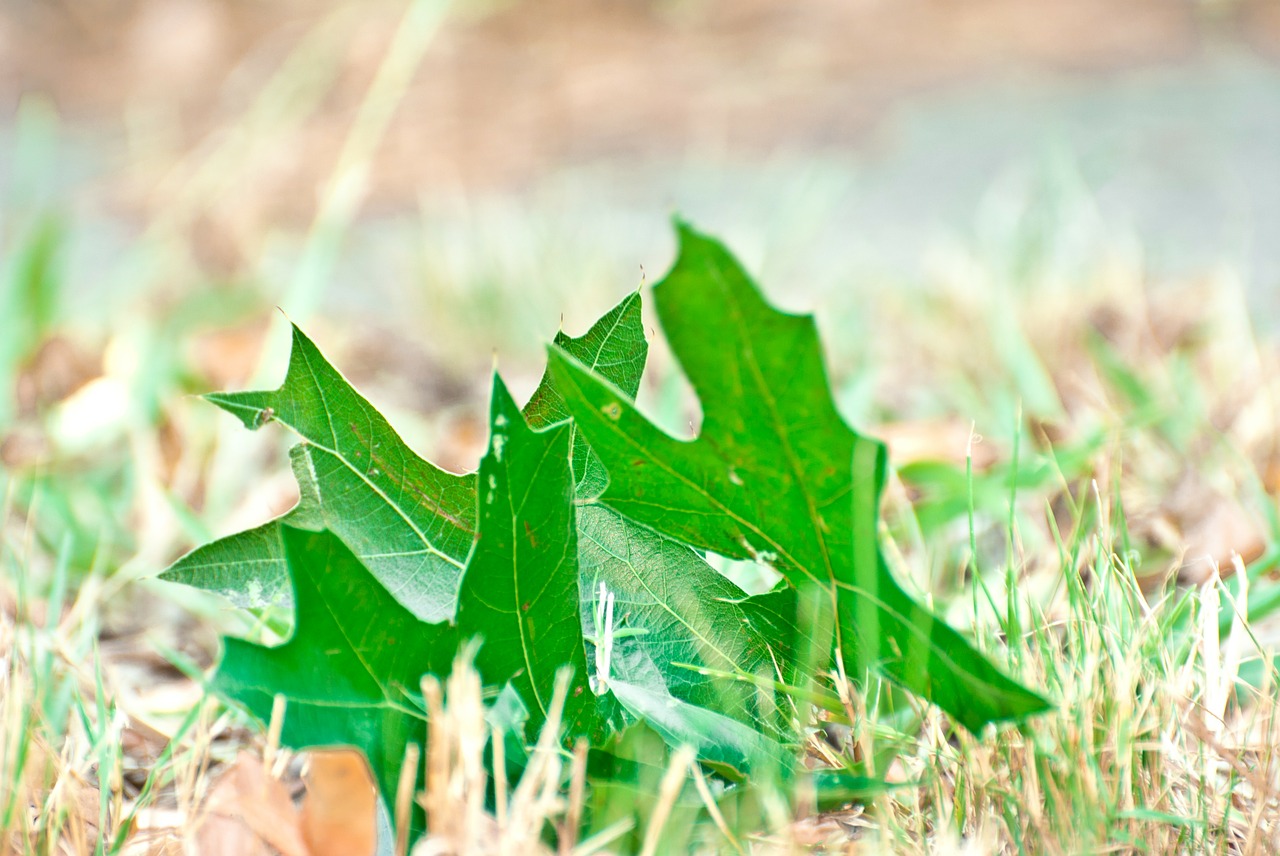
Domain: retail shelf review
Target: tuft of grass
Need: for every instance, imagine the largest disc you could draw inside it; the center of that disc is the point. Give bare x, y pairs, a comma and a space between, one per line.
81, 769
1158, 743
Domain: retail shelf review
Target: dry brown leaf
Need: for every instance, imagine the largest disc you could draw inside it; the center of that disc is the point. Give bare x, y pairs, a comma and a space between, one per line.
1196, 524
463, 438
227, 357
228, 836
833, 830
935, 440
159, 832
1224, 528
247, 811
339, 813
141, 742
58, 368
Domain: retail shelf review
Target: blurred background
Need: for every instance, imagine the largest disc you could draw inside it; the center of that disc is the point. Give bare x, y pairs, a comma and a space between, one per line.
363, 155
424, 185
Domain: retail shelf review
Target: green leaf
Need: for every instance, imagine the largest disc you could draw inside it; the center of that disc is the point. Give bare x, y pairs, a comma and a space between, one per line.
350, 672
626, 775
615, 348
676, 612
248, 568
673, 614
732, 748
775, 476
409, 521
520, 590
509, 714
837, 788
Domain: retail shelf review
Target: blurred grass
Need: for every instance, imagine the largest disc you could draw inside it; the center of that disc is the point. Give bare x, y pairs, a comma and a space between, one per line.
1122, 425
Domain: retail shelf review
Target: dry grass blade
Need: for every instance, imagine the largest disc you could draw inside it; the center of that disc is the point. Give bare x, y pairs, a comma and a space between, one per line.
79, 775
672, 781
457, 776
577, 785
713, 810
404, 797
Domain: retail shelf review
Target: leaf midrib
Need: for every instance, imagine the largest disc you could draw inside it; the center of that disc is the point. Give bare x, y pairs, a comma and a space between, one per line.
793, 460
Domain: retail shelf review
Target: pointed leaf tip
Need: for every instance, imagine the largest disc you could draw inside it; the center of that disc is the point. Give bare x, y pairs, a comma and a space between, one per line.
501, 403
684, 227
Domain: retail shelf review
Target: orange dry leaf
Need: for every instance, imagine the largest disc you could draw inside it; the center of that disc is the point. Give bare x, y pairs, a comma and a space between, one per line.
227, 357
1222, 529
158, 832
935, 440
339, 814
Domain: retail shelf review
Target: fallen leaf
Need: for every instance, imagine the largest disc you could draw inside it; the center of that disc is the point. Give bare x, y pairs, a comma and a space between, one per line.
936, 440
339, 813
141, 742
247, 811
228, 356
1223, 529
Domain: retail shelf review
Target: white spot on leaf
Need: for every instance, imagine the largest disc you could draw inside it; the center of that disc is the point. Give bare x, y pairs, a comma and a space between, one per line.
764, 557
603, 639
